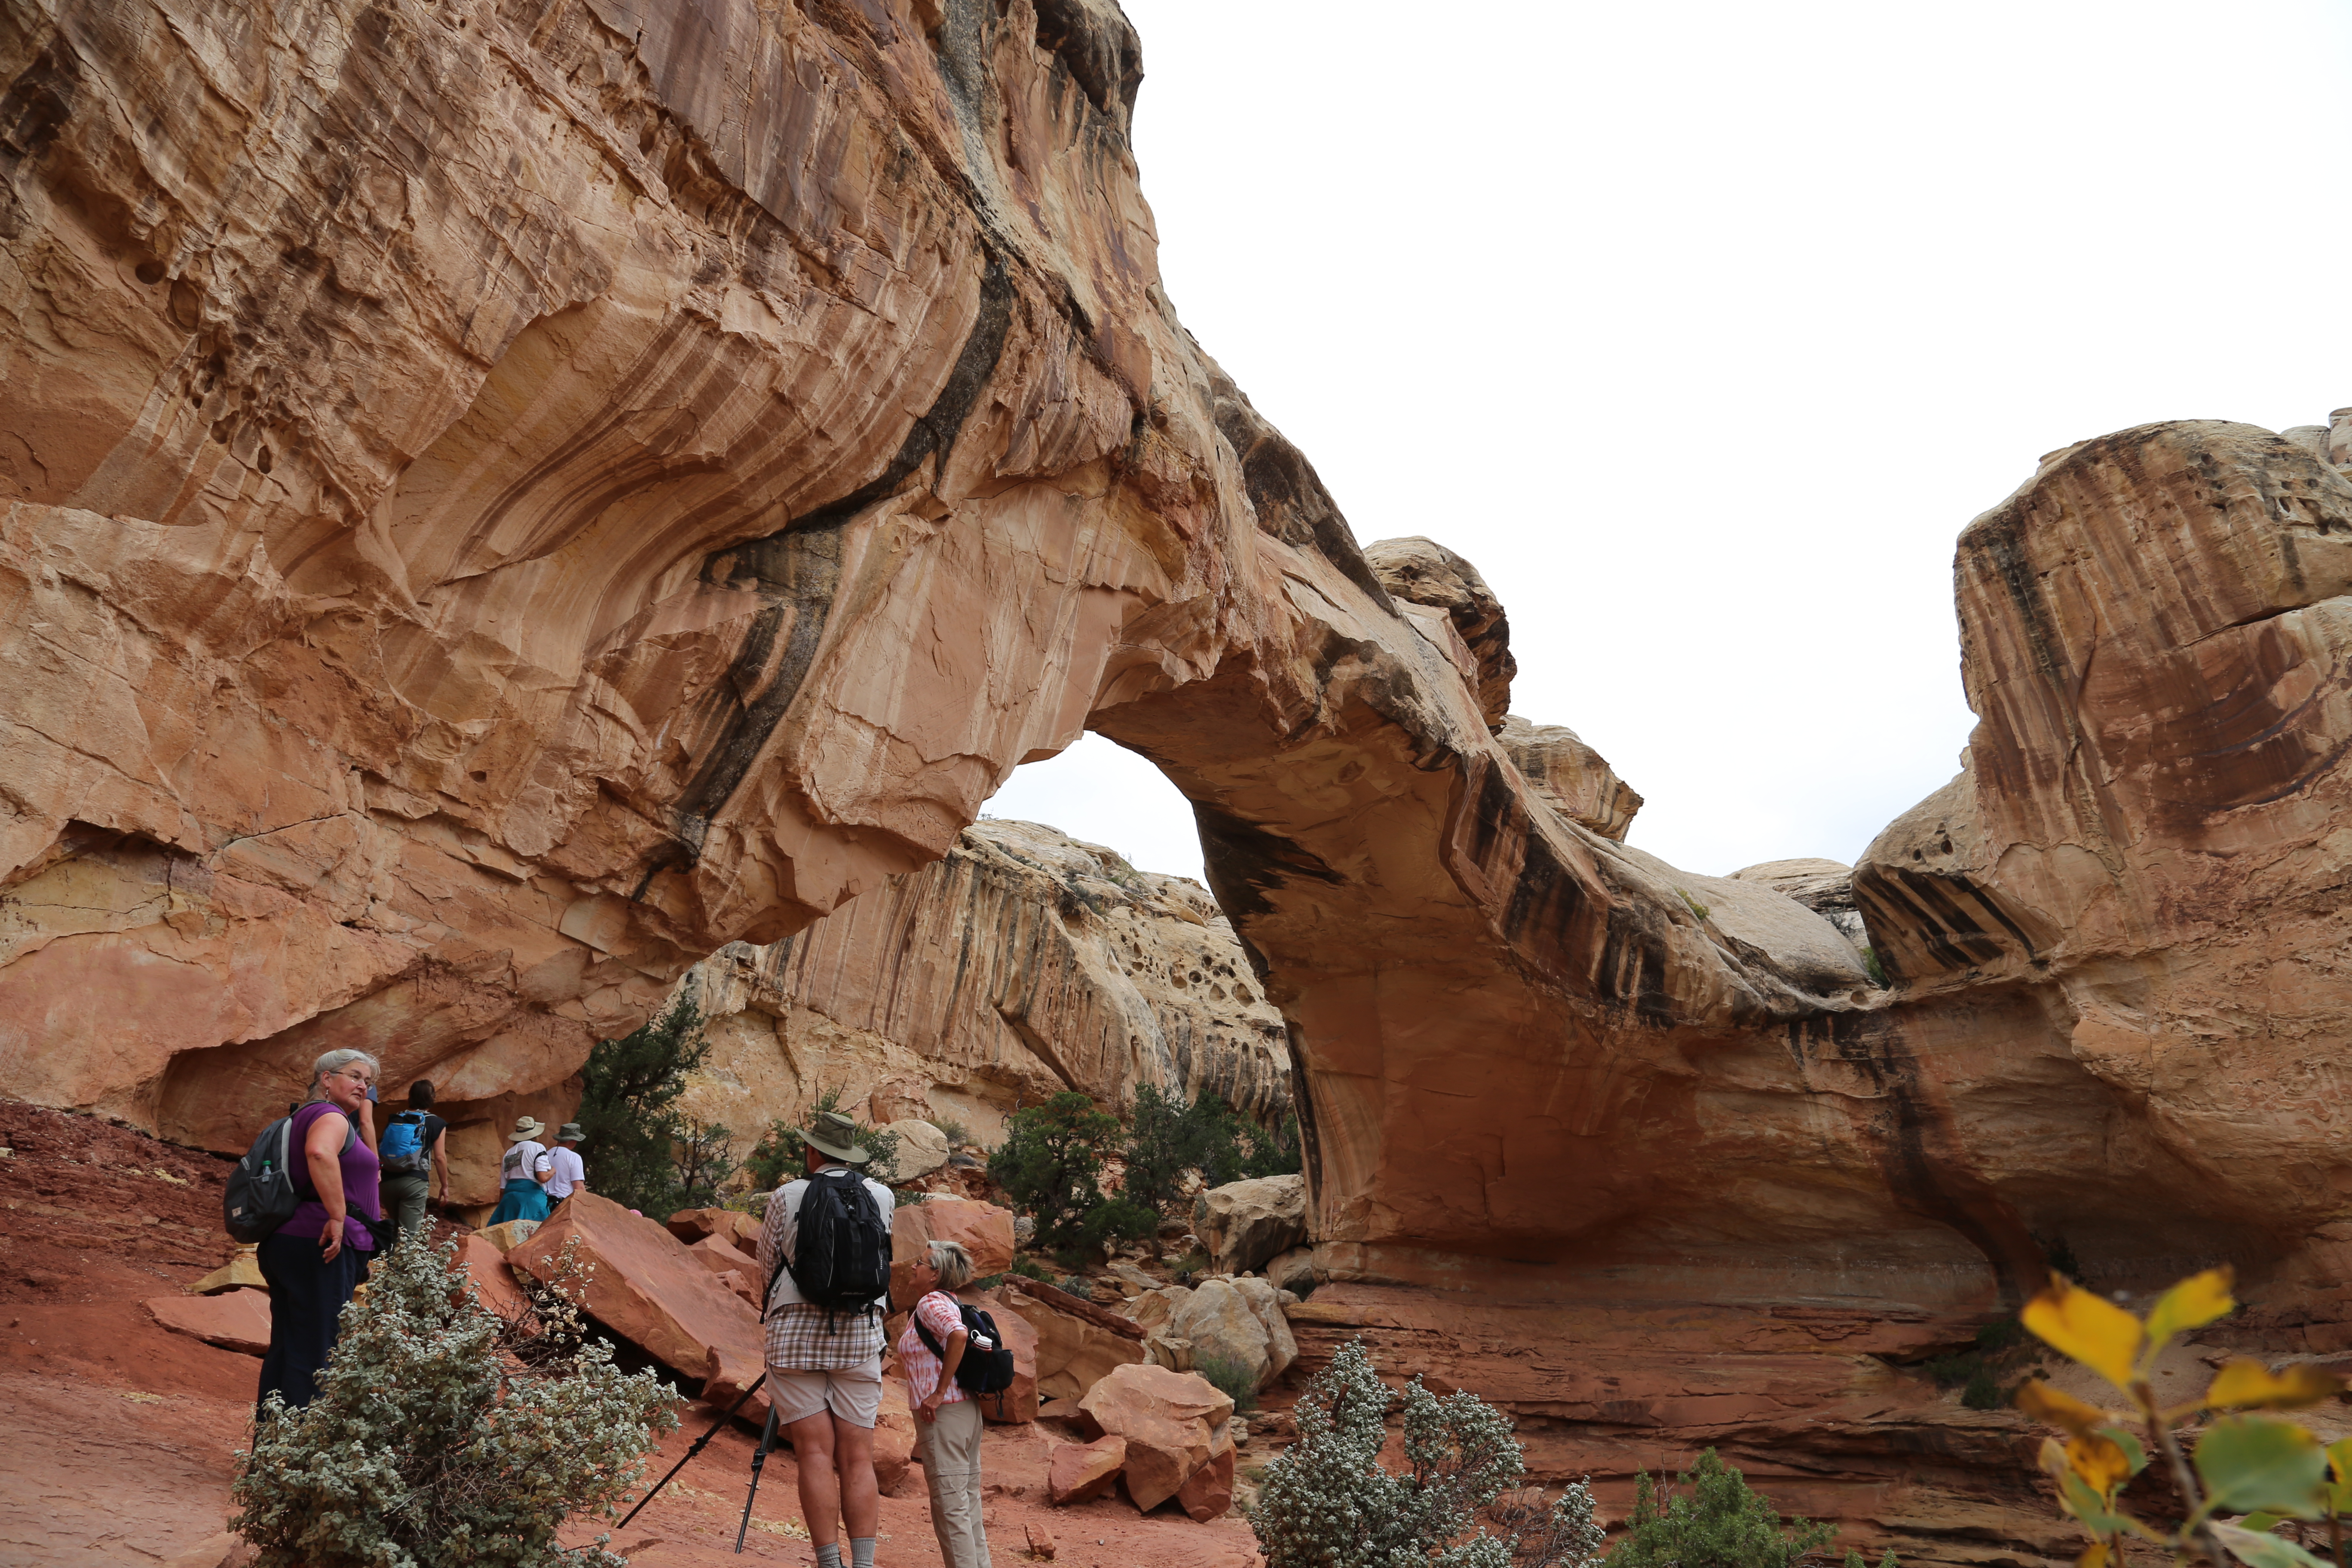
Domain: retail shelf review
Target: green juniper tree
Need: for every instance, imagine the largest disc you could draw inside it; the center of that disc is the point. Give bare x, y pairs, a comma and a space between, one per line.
1050, 1164
1716, 1521
628, 1107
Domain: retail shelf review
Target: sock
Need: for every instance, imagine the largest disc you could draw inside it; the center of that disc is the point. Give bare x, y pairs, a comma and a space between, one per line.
829, 1555
861, 1552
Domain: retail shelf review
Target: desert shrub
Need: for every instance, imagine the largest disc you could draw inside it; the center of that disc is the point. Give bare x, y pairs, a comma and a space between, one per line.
1558, 1534
1029, 1268
776, 1158
957, 1134
1326, 1502
1167, 1138
1050, 1165
1855, 1560
702, 1155
628, 1107
442, 1434
1716, 1521
1232, 1378
1983, 1390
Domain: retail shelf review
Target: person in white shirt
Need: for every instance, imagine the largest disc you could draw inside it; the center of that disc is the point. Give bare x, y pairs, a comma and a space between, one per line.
824, 1369
522, 1174
566, 1172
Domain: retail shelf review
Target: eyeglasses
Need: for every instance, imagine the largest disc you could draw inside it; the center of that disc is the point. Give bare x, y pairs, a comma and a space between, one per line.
357, 1075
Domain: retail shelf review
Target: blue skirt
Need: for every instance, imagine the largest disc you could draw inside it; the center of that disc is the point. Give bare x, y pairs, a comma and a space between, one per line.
520, 1200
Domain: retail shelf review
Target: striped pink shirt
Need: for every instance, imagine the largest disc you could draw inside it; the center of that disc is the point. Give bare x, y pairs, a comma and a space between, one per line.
943, 1315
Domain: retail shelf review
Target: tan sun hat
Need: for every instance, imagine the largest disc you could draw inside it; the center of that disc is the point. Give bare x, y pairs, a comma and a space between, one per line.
527, 1127
836, 1134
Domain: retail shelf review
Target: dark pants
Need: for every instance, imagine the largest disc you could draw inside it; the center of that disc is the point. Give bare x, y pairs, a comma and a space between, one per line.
306, 1303
403, 1200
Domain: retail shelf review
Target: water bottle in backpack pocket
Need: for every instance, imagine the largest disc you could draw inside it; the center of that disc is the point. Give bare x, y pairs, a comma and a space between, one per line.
987, 1363
266, 1188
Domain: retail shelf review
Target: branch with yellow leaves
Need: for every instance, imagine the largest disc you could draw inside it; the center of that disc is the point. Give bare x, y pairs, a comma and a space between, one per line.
2255, 1467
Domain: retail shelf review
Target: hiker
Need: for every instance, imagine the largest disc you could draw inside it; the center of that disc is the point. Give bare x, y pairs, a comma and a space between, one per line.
413, 1149
565, 1173
946, 1419
522, 1174
314, 1262
824, 1361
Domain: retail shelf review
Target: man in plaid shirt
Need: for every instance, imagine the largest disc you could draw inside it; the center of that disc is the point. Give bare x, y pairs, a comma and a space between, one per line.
824, 1369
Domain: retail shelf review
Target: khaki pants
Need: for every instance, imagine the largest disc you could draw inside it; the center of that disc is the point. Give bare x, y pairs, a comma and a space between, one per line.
949, 1447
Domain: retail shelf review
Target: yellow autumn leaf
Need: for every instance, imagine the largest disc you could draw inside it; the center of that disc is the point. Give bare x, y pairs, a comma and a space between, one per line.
2094, 1556
2191, 1304
2096, 1332
2339, 1457
2100, 1461
2247, 1384
2054, 1458
2043, 1403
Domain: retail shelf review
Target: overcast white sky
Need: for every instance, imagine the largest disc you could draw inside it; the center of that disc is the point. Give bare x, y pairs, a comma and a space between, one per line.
1704, 328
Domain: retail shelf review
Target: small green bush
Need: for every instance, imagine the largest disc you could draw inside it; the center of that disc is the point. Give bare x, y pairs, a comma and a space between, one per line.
1050, 1165
1716, 1521
777, 1158
1232, 1378
1326, 1501
1167, 1138
443, 1434
628, 1108
1029, 1268
1077, 1285
1983, 1391
957, 1134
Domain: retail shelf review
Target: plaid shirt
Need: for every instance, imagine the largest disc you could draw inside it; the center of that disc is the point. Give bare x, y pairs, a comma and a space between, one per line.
799, 1339
940, 1313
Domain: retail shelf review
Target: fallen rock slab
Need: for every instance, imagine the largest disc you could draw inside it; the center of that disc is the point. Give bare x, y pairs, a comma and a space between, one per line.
1216, 1318
719, 1255
1208, 1492
922, 1149
1018, 1402
1080, 1472
648, 1288
240, 1272
1245, 1224
1073, 1352
736, 1229
491, 1276
1172, 1421
894, 1436
510, 1235
235, 1319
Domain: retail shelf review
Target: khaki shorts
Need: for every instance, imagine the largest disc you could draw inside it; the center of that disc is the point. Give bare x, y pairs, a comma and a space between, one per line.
853, 1394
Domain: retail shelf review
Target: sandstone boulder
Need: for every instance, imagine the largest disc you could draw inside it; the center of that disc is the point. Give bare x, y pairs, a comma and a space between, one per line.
234, 1320
1292, 1270
1208, 1492
648, 1288
1075, 1350
1569, 775
1422, 571
1155, 1310
1171, 1422
1169, 1350
922, 1149
1081, 1472
742, 1284
241, 1271
1223, 1325
1242, 1223
1265, 1304
739, 1230
511, 1234
721, 1256
894, 1436
984, 1230
491, 1276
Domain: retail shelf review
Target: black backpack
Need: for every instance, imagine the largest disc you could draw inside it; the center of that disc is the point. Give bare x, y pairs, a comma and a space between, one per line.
267, 1186
841, 1257
986, 1371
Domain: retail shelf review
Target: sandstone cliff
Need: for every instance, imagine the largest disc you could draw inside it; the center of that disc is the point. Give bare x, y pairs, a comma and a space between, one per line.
1022, 964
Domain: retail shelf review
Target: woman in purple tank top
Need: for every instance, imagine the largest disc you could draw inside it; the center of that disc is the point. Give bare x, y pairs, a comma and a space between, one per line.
315, 1260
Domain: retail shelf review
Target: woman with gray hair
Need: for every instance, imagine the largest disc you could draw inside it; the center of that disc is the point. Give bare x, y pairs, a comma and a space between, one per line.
947, 1420
315, 1260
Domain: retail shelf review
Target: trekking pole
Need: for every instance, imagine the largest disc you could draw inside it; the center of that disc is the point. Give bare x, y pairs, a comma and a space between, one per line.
759, 1459
699, 1444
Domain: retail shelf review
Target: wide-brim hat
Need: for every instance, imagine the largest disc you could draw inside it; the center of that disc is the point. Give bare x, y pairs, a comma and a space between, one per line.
836, 1136
529, 1127
568, 1132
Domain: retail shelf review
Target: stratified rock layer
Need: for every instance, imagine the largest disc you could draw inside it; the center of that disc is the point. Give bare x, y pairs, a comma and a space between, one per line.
1021, 964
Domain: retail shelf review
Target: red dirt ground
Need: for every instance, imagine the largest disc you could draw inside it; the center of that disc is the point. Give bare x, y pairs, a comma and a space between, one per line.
120, 1435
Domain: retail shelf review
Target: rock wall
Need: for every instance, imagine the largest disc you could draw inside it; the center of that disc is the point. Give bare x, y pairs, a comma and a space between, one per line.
1021, 964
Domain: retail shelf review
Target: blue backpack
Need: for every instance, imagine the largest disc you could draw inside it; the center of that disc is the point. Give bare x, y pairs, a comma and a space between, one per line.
404, 1150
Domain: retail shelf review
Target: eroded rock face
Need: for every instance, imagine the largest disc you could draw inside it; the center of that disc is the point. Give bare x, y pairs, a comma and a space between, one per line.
1023, 964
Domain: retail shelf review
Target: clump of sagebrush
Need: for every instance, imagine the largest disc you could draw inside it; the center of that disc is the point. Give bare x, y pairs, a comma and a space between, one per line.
443, 1432
1326, 1502
1716, 1521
